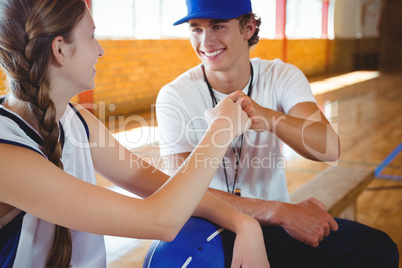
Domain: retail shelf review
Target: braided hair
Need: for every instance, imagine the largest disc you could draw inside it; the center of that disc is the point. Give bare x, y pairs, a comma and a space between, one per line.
27, 29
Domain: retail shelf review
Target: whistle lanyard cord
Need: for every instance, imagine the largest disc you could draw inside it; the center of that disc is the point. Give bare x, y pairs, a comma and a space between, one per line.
238, 149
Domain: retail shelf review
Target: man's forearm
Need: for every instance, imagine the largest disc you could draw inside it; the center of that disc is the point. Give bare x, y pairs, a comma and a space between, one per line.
313, 139
265, 212
220, 212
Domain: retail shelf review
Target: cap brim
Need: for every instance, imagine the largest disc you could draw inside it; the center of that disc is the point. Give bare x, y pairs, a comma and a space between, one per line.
208, 14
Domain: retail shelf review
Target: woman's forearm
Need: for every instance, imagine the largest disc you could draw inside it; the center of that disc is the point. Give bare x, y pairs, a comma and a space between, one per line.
190, 182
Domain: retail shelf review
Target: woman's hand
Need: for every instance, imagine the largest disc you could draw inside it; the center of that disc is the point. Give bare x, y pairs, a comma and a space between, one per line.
230, 116
249, 248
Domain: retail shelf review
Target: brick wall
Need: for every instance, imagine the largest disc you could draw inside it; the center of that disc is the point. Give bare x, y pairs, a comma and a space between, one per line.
268, 49
131, 73
2, 83
308, 54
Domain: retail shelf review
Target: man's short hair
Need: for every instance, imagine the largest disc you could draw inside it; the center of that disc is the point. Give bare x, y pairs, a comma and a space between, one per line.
243, 20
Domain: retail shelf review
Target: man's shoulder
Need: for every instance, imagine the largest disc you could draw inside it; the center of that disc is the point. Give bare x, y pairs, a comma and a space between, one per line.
274, 68
263, 64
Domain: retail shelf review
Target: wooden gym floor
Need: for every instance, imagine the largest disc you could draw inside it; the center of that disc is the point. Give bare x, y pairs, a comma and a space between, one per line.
368, 116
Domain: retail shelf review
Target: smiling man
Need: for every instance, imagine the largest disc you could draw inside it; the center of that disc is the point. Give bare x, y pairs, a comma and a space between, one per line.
278, 99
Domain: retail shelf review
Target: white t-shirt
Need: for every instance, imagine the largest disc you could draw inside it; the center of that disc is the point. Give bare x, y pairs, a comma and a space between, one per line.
33, 236
180, 111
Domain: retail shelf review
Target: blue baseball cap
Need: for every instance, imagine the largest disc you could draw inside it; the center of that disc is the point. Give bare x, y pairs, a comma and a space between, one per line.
215, 9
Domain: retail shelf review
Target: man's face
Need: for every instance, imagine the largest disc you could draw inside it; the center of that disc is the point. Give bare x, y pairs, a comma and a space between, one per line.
220, 44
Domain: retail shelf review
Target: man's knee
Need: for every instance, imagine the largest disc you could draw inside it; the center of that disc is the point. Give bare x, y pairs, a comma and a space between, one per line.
378, 249
384, 251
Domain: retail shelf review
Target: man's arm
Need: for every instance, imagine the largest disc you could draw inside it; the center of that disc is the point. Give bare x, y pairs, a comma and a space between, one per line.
307, 221
304, 128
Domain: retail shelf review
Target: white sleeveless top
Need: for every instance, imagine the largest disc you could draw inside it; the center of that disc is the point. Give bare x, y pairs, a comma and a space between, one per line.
25, 240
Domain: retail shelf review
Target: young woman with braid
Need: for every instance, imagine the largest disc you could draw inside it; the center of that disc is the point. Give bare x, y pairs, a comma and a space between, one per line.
52, 214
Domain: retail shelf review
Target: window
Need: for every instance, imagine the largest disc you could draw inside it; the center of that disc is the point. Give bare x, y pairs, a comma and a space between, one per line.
113, 20
303, 19
266, 10
357, 19
173, 10
371, 18
153, 19
331, 8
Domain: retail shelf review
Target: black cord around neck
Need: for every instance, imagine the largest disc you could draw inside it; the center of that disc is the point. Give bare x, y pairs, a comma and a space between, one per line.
211, 92
238, 149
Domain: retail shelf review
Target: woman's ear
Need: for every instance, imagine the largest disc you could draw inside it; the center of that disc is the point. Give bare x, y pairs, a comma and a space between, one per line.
249, 29
59, 49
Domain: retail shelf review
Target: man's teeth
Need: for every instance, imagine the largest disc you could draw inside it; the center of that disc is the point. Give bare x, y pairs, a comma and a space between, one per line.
214, 53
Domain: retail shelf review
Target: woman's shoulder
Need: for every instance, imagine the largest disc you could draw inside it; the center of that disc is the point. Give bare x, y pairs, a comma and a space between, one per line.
83, 118
14, 130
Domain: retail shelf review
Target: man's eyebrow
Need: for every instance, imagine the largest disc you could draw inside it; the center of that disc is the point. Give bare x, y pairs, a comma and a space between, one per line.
194, 24
212, 22
217, 21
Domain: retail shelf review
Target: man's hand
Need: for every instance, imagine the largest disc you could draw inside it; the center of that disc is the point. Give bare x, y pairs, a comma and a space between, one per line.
307, 221
257, 114
231, 116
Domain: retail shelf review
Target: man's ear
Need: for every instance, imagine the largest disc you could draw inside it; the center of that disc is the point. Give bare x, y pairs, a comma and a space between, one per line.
59, 48
249, 29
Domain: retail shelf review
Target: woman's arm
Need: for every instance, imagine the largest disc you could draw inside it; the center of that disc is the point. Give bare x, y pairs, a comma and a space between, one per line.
137, 176
42, 189
33, 184
249, 248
